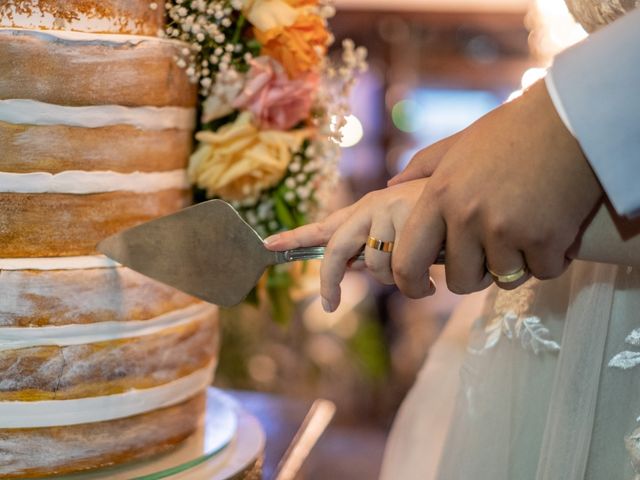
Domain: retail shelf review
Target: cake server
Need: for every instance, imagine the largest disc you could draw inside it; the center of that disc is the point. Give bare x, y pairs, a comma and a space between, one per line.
206, 250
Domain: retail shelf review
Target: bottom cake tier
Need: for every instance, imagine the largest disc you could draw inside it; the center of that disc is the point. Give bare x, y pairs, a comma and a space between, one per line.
34, 452
227, 445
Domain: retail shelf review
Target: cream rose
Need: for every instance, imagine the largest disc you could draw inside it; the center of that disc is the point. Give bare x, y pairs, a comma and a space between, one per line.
238, 160
267, 14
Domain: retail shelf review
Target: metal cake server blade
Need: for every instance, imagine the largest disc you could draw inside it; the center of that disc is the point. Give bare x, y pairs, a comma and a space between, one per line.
206, 250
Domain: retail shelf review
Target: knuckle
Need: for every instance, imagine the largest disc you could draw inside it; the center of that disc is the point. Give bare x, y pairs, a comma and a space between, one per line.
371, 196
335, 251
469, 213
455, 287
462, 286
563, 238
409, 286
387, 279
330, 252
440, 189
549, 270
402, 273
539, 238
499, 227
415, 295
412, 290
383, 277
372, 266
322, 231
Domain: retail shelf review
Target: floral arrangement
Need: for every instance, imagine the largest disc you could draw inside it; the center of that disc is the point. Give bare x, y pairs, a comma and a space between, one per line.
271, 108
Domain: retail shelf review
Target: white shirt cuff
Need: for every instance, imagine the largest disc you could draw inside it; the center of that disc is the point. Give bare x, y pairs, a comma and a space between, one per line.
557, 102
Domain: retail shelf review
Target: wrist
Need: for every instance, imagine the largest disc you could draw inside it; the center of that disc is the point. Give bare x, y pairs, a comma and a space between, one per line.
542, 113
554, 95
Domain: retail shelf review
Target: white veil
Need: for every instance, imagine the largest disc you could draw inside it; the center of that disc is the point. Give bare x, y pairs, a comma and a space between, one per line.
526, 409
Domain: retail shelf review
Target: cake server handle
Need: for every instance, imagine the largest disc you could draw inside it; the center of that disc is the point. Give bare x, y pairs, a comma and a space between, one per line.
315, 253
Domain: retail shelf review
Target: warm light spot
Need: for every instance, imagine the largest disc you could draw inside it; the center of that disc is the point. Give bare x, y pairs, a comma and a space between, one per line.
351, 132
262, 368
531, 76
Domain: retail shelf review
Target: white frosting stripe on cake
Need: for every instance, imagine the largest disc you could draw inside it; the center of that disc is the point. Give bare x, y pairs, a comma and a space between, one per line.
45, 20
90, 38
81, 182
32, 112
52, 413
58, 263
13, 338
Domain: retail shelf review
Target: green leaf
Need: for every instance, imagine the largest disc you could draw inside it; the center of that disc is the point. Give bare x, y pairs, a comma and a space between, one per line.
369, 348
282, 212
254, 47
239, 27
220, 122
300, 218
279, 283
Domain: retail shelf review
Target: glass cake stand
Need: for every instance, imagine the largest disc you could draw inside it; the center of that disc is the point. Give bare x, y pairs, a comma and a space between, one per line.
229, 445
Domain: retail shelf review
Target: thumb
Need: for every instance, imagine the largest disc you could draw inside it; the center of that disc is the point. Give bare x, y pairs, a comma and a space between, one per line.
425, 162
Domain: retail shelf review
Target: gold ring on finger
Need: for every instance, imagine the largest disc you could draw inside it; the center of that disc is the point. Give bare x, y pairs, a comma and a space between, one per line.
379, 245
508, 277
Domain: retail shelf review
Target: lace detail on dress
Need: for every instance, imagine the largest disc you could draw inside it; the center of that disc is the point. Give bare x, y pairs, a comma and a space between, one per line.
632, 443
626, 360
513, 320
629, 358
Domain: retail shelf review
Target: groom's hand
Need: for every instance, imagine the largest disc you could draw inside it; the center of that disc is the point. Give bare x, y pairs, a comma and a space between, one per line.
510, 191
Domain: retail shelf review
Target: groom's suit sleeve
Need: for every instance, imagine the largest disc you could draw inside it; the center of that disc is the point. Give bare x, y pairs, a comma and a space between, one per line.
595, 86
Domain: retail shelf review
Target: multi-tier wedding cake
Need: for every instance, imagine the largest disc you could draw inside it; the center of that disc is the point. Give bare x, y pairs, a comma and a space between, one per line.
98, 364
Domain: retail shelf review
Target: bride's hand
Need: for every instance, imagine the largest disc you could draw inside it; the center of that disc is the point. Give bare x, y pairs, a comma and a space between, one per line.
380, 214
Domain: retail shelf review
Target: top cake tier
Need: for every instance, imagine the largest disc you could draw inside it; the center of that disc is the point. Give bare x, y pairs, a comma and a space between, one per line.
137, 17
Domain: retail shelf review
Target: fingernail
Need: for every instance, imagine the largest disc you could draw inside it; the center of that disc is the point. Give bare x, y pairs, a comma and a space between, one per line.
326, 306
272, 239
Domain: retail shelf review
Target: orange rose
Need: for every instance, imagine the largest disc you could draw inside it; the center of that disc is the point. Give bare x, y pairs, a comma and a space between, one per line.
297, 47
302, 3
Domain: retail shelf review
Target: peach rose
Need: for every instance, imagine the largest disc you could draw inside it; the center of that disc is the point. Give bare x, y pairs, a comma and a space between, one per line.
297, 47
276, 101
238, 160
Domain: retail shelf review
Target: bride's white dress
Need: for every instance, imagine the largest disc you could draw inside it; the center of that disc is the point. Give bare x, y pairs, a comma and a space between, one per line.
545, 383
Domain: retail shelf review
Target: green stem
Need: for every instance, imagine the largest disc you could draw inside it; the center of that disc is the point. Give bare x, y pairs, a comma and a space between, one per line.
239, 26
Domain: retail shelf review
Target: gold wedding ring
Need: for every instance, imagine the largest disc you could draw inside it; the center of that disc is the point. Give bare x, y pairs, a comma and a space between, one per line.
376, 244
509, 277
